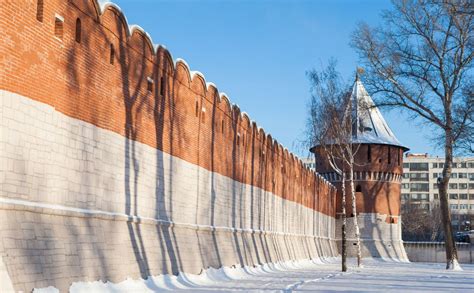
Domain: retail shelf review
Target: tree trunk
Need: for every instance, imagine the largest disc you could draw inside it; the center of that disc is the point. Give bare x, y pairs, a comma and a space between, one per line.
354, 211
443, 183
343, 225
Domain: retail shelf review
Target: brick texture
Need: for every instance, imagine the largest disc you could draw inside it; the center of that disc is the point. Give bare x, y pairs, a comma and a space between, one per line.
191, 120
129, 165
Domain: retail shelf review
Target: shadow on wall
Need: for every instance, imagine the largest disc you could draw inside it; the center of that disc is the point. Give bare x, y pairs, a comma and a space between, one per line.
378, 228
118, 58
81, 97
115, 79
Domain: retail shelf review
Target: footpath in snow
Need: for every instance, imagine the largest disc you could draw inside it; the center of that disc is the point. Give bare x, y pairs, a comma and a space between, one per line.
310, 276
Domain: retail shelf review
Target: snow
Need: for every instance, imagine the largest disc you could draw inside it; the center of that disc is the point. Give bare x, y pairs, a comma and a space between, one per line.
134, 27
57, 207
455, 266
60, 17
305, 275
49, 289
192, 73
104, 4
245, 114
158, 46
223, 95
181, 60
209, 84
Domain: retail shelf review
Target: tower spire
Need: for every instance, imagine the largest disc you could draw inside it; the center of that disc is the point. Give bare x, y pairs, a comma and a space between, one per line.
369, 124
359, 71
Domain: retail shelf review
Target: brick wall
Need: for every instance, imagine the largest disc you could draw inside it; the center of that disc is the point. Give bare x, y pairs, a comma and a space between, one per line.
129, 165
188, 118
379, 179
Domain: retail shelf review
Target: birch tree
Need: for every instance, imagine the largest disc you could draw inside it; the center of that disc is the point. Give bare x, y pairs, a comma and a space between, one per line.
420, 60
330, 129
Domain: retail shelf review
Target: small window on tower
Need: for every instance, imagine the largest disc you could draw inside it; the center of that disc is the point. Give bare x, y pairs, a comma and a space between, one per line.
112, 54
59, 27
78, 30
39, 10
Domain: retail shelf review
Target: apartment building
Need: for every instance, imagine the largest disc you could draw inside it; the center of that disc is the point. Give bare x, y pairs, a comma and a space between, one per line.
419, 187
310, 163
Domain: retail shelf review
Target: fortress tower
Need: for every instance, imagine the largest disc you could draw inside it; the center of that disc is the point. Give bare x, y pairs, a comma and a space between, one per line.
377, 180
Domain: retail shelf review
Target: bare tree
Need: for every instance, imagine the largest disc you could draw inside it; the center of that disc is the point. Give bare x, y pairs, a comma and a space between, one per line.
465, 142
435, 228
420, 60
330, 129
420, 223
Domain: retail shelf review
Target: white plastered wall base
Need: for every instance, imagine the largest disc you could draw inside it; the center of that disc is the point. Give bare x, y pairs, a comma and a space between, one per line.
83, 203
378, 238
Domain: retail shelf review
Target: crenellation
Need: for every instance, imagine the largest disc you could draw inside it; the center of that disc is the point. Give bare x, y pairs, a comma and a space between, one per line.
106, 177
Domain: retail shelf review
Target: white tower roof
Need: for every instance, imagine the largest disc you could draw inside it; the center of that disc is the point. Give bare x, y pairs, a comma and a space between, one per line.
368, 124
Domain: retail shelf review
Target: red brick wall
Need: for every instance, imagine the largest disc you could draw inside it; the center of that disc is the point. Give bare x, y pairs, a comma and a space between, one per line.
377, 196
191, 120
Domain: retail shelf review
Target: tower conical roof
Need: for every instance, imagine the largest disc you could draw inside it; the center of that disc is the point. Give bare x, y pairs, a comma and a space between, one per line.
368, 124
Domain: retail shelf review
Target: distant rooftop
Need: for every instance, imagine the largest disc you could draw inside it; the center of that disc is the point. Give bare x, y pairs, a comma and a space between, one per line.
426, 157
414, 155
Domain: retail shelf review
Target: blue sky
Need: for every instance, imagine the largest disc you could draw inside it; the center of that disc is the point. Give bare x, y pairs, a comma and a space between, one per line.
258, 53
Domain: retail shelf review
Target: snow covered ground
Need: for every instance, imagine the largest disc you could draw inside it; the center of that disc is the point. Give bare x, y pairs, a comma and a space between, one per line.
309, 276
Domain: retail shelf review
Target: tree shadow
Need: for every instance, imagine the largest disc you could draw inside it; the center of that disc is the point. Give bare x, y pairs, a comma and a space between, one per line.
133, 103
131, 81
213, 199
